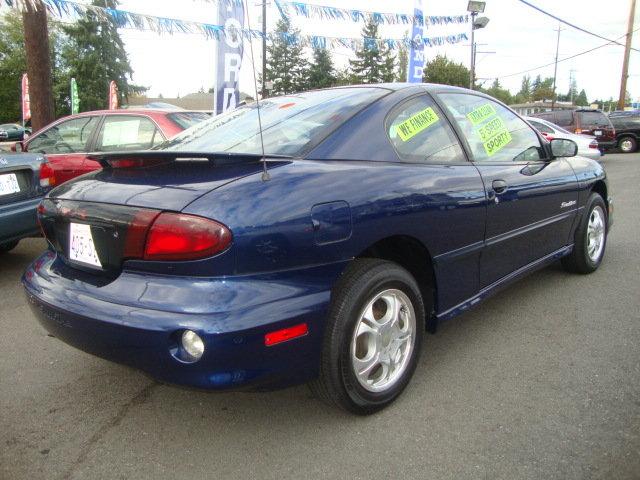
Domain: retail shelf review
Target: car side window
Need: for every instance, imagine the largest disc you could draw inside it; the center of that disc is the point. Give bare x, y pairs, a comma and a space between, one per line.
493, 132
564, 118
419, 133
127, 132
541, 127
70, 136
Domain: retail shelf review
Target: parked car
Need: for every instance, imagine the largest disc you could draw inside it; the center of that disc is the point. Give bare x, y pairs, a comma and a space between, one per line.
627, 125
585, 121
67, 142
376, 213
24, 180
12, 132
587, 145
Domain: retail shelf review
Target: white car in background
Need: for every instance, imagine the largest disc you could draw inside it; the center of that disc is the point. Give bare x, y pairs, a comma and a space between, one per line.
587, 145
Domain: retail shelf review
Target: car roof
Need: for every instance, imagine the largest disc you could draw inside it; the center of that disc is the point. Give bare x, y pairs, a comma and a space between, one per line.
138, 111
397, 86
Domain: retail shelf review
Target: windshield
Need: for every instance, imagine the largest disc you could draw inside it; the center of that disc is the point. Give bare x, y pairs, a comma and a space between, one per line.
188, 119
290, 124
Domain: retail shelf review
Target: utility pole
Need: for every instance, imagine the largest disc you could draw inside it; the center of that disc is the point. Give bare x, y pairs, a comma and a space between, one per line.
472, 72
625, 62
36, 43
555, 70
571, 80
264, 48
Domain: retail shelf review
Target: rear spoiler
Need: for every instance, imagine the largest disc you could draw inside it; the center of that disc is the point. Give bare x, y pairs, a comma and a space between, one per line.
147, 158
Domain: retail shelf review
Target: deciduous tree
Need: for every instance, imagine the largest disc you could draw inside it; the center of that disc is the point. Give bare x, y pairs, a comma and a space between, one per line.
447, 72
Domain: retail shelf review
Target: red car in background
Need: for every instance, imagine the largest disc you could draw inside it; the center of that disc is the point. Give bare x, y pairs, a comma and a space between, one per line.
67, 142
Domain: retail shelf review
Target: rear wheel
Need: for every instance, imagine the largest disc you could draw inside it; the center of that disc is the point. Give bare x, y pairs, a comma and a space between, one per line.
590, 238
373, 337
628, 144
7, 246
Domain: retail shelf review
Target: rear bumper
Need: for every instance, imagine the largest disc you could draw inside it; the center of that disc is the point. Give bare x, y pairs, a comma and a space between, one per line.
18, 220
607, 145
231, 315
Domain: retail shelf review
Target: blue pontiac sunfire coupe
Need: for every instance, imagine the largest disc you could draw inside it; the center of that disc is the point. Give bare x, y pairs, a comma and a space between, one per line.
377, 212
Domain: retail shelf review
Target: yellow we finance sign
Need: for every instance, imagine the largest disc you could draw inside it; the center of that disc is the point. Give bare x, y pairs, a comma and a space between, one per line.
416, 123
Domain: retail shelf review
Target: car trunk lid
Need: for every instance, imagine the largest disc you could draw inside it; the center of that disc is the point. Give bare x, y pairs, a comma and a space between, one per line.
120, 203
19, 177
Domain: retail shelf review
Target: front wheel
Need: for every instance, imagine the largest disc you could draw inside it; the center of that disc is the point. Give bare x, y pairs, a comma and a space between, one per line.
373, 337
628, 145
590, 238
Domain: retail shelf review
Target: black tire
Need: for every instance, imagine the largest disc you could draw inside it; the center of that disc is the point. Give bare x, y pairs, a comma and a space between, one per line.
627, 144
362, 281
7, 246
579, 261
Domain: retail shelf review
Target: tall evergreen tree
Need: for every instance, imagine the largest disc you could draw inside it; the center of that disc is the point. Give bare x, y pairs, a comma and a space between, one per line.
94, 54
322, 73
286, 66
572, 94
403, 64
581, 99
524, 95
373, 63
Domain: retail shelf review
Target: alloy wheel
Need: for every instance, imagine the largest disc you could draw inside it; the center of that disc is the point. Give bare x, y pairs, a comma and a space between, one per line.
383, 340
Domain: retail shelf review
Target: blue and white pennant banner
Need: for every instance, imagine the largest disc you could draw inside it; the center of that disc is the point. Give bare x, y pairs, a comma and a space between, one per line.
322, 12
67, 9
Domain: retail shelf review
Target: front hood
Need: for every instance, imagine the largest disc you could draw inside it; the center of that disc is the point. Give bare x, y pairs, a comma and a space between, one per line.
171, 186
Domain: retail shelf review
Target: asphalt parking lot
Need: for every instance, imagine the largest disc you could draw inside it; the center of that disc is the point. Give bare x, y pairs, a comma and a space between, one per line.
540, 382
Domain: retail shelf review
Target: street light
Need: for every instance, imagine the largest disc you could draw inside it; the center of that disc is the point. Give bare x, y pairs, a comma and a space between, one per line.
475, 7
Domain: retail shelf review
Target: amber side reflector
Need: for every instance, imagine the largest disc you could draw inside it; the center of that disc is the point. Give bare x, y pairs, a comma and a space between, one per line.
285, 334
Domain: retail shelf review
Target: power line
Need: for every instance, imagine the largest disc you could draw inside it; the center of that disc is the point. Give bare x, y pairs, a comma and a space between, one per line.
573, 25
552, 63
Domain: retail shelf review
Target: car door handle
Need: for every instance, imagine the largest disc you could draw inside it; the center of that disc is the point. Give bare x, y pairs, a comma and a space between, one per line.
499, 186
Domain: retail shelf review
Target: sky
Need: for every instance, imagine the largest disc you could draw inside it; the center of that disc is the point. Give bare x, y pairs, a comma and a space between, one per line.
517, 38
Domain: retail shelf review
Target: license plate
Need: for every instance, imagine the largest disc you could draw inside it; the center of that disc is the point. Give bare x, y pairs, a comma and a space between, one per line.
81, 247
9, 184
598, 133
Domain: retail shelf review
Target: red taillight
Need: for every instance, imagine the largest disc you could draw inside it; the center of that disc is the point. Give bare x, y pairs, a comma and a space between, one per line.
593, 144
47, 175
175, 236
285, 334
135, 162
137, 229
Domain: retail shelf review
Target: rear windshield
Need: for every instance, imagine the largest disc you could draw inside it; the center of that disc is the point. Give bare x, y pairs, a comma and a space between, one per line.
290, 125
594, 118
188, 119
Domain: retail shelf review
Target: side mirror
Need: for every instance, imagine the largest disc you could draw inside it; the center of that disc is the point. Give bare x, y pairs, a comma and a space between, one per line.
18, 147
562, 147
